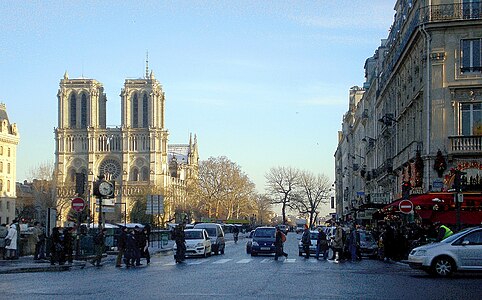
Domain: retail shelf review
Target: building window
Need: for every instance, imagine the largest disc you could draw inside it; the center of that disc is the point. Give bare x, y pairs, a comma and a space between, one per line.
8, 205
8, 185
135, 175
73, 111
1, 185
472, 9
144, 111
471, 118
471, 56
72, 175
145, 174
135, 112
8, 168
1, 166
1, 150
83, 111
8, 152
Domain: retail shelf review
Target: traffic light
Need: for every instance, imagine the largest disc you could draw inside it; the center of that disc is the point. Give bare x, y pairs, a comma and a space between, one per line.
406, 187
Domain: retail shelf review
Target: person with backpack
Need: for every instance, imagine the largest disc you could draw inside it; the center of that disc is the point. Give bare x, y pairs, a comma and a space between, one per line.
280, 238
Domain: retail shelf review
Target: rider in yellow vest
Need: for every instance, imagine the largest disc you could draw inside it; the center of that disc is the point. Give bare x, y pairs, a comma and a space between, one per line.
443, 232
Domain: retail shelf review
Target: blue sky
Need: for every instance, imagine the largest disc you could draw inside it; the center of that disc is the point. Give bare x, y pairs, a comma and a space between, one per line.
264, 83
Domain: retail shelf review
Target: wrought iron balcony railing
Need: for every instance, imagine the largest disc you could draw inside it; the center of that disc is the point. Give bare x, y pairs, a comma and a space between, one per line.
451, 12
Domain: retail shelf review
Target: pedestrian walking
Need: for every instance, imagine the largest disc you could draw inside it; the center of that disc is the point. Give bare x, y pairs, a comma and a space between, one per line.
11, 241
321, 244
39, 238
140, 243
121, 246
353, 243
99, 242
180, 243
145, 248
130, 249
306, 241
68, 243
280, 238
56, 247
338, 242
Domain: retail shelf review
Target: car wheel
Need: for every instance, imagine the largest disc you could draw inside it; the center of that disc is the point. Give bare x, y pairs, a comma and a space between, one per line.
443, 266
253, 253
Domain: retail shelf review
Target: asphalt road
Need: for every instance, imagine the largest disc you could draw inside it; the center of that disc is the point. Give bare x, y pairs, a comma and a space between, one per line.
237, 275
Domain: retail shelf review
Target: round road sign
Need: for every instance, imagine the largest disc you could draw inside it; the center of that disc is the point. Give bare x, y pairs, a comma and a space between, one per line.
78, 204
405, 206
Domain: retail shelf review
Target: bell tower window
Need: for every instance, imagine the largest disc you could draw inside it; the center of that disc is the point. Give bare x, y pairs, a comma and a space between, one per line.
144, 111
83, 111
135, 111
73, 111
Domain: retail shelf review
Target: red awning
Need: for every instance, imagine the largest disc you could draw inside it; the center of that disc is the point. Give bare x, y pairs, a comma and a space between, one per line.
441, 207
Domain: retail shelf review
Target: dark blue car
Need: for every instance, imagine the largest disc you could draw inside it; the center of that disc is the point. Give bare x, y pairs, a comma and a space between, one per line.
263, 241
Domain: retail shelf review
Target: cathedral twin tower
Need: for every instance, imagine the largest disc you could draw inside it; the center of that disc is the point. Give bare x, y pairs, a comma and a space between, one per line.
136, 155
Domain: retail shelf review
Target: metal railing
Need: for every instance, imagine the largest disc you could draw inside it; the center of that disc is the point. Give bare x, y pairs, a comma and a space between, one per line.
465, 144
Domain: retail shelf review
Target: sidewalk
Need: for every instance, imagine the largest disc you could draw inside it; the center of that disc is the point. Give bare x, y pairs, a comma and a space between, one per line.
26, 264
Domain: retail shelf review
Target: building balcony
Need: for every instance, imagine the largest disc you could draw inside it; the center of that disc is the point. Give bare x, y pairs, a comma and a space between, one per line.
465, 145
451, 12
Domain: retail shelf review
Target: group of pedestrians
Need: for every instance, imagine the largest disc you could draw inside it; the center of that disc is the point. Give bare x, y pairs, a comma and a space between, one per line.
9, 240
133, 245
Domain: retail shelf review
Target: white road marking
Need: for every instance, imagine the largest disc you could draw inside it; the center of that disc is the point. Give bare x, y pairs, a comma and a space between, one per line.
290, 260
267, 261
244, 261
222, 261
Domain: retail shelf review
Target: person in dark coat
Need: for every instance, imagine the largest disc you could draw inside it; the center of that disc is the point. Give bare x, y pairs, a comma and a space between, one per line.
121, 246
321, 244
140, 242
180, 243
145, 248
279, 244
130, 249
68, 243
56, 247
306, 241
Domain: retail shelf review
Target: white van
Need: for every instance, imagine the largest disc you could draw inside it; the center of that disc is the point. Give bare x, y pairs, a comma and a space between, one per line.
216, 234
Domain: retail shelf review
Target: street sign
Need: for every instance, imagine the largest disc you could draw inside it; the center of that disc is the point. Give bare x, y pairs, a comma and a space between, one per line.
78, 204
405, 206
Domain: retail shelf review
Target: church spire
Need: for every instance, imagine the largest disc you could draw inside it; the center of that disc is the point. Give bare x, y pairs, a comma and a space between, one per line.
147, 64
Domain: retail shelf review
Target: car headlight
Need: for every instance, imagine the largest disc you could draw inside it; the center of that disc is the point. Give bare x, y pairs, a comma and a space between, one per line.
419, 252
255, 243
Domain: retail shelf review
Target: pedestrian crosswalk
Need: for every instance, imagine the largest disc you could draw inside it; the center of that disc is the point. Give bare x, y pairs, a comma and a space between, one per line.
267, 260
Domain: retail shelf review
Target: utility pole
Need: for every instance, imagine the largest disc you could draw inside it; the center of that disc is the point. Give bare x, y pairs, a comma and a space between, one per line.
458, 196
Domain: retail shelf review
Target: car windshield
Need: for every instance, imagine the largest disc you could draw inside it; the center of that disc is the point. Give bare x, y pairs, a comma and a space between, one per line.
264, 232
211, 231
193, 235
366, 237
455, 236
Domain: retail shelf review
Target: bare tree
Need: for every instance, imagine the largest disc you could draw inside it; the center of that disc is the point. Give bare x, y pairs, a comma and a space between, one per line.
312, 191
224, 190
280, 185
263, 208
43, 188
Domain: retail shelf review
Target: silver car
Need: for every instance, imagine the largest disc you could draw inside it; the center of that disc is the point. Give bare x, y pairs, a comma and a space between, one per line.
459, 252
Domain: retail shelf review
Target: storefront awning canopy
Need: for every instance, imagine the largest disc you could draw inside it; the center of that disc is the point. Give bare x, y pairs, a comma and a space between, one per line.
441, 207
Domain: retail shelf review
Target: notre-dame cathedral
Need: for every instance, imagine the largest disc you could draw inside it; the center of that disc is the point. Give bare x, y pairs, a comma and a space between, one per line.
136, 154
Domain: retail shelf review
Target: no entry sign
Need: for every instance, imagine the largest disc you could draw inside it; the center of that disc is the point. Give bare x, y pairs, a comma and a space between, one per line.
78, 204
405, 206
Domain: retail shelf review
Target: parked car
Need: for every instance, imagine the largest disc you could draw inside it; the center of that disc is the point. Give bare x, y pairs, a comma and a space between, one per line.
368, 245
460, 252
249, 241
313, 238
263, 241
198, 242
216, 234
